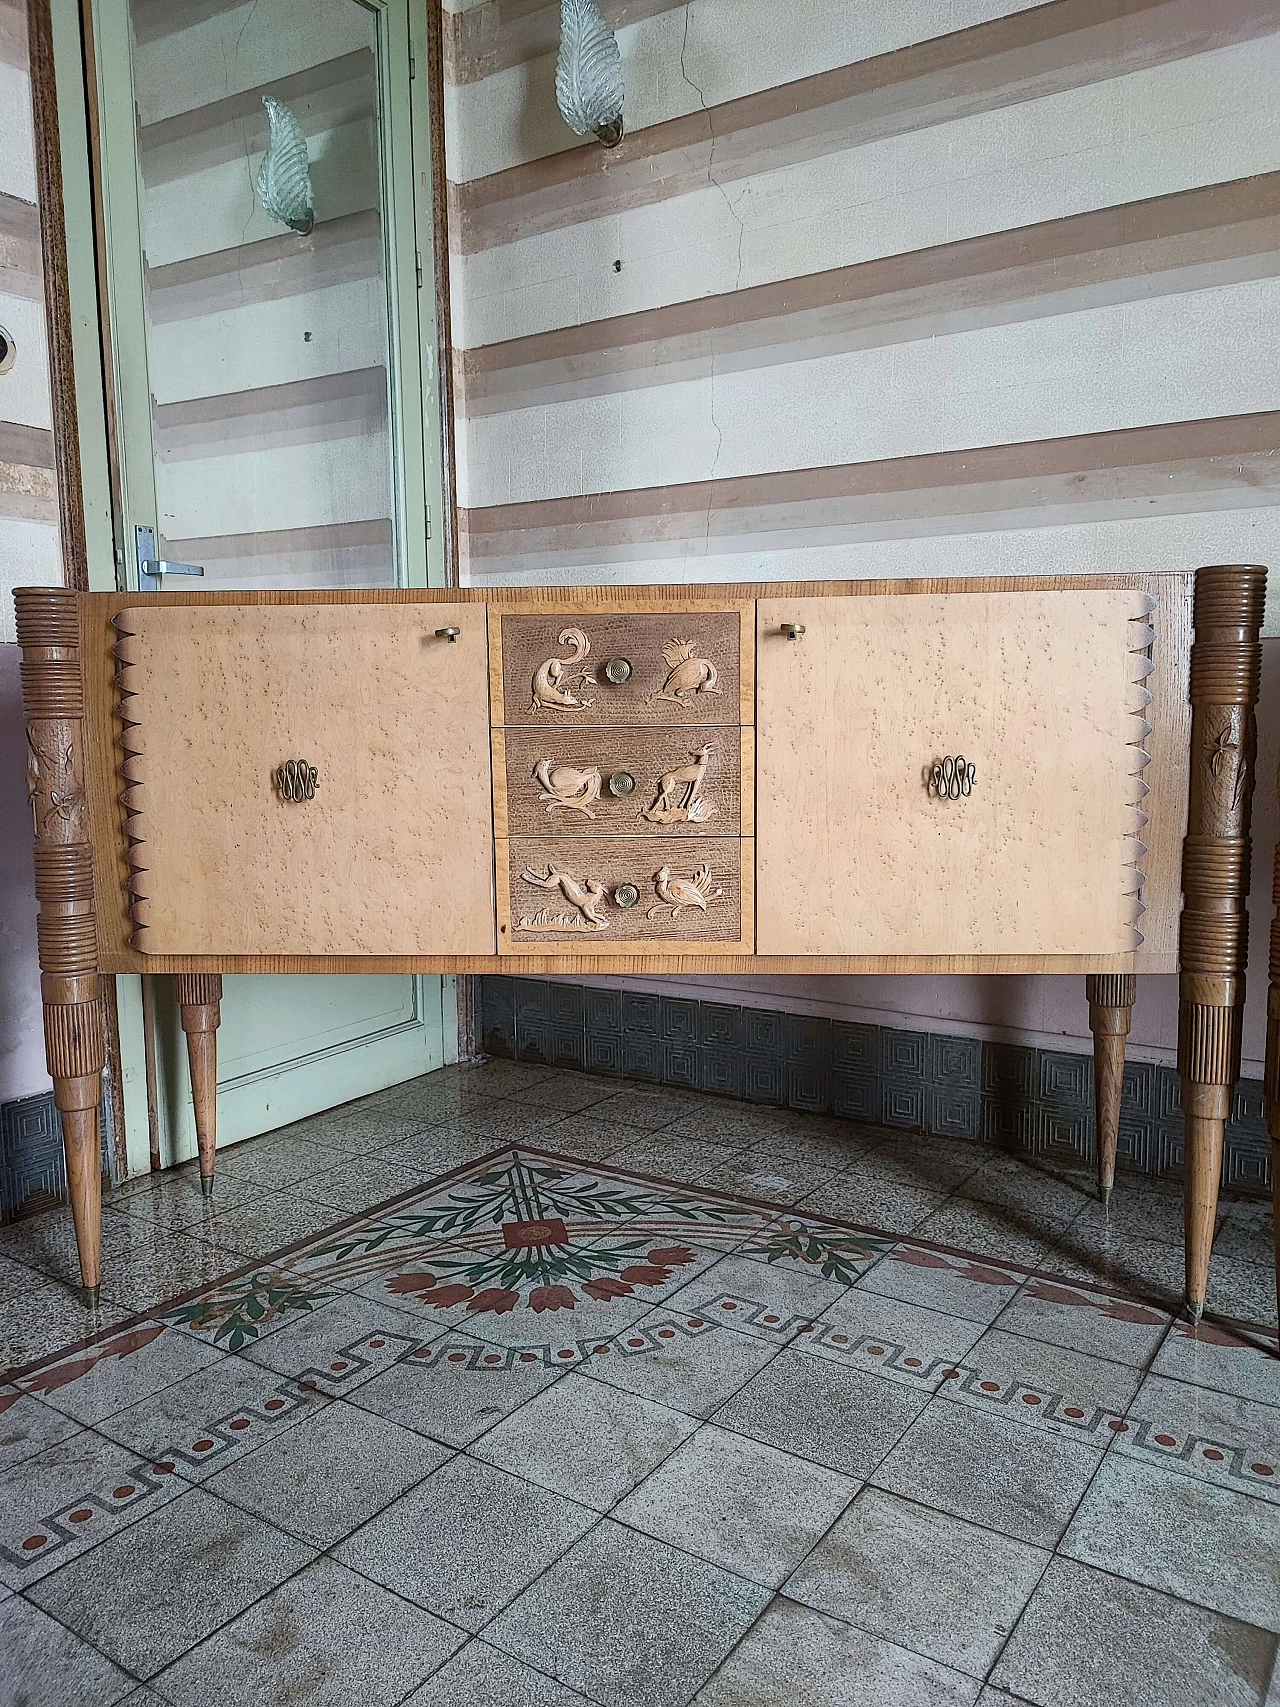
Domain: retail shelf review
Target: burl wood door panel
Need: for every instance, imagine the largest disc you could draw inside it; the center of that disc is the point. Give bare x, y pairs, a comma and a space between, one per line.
626, 895
621, 782
392, 855
1041, 692
682, 667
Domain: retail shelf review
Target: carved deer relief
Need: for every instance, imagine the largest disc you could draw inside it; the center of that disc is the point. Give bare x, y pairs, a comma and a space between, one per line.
585, 896
688, 675
680, 893
563, 786
680, 793
555, 680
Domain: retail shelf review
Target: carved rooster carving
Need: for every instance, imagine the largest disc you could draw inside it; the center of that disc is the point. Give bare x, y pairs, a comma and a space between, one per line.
678, 893
687, 673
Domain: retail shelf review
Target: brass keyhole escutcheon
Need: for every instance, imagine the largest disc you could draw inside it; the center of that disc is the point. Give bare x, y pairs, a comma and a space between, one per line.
622, 783
626, 895
617, 671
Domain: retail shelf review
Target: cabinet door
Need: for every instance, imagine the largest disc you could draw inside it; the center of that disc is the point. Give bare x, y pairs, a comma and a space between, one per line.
392, 853
1040, 692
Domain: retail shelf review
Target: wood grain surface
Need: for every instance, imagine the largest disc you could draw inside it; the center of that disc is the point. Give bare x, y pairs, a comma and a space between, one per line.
1167, 773
856, 855
647, 755
394, 852
609, 862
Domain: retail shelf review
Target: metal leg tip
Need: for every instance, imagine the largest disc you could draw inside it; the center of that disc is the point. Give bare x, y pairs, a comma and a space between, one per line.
92, 1296
206, 1185
1195, 1309
1104, 1191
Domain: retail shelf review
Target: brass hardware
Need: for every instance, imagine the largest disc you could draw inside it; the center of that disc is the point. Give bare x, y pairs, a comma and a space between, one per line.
621, 783
618, 670
296, 780
449, 634
793, 630
949, 778
626, 895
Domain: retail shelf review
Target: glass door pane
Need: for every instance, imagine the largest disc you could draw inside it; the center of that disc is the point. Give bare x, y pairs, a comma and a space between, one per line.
267, 347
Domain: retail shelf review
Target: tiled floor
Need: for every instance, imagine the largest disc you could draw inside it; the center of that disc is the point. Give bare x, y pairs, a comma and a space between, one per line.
788, 1421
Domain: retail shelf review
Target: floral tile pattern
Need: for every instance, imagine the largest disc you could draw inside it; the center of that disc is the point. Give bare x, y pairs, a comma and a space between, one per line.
608, 1362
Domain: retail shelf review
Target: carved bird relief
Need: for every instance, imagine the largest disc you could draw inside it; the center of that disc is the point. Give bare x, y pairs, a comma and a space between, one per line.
688, 675
678, 893
680, 793
585, 896
562, 785
555, 680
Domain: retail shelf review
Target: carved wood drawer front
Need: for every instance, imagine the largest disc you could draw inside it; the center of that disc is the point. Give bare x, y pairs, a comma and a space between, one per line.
952, 773
567, 670
622, 782
307, 779
580, 895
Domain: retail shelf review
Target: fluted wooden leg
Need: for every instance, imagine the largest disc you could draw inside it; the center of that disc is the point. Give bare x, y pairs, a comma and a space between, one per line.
66, 927
199, 998
1226, 661
1111, 998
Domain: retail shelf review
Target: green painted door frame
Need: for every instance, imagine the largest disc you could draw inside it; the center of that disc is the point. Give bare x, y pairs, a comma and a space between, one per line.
288, 1046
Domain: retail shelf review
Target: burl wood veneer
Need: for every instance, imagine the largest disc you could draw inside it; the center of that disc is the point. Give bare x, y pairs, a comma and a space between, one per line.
438, 782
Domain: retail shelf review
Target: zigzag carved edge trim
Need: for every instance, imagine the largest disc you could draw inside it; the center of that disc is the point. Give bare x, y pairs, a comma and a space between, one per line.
131, 771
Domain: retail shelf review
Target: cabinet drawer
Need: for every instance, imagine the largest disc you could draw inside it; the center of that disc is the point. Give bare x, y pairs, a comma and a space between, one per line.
622, 782
558, 669
1041, 692
571, 894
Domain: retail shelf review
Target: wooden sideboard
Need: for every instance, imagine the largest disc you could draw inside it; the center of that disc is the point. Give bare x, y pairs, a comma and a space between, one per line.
981, 775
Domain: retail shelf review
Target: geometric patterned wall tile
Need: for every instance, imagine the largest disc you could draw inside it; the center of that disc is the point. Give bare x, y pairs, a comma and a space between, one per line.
679, 1020
33, 1171
1012, 1095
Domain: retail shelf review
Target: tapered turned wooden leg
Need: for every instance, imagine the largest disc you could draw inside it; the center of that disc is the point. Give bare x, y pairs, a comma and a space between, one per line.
66, 928
199, 996
1111, 998
1226, 661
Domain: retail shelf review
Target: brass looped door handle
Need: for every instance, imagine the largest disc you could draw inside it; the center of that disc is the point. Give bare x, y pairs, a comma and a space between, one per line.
951, 778
296, 780
449, 634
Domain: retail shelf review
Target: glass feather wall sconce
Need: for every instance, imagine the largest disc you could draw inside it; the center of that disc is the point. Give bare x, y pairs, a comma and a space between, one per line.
589, 73
284, 178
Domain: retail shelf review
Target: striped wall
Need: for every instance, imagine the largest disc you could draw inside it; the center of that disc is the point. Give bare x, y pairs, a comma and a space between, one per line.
29, 548
909, 288
267, 351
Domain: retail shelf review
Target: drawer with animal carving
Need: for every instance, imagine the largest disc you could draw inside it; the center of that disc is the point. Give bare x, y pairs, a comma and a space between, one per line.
570, 669
623, 782
624, 893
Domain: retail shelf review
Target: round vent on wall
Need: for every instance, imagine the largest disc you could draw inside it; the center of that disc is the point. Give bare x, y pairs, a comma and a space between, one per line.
8, 349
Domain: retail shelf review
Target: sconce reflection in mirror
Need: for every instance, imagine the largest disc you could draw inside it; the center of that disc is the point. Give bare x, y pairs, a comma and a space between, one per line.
284, 178
589, 73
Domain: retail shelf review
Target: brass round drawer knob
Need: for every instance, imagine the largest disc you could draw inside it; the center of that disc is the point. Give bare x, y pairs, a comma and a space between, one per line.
622, 783
617, 671
626, 895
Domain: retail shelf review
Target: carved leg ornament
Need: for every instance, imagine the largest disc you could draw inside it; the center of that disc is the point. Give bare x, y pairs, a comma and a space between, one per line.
199, 998
49, 634
1272, 1077
1226, 661
1111, 997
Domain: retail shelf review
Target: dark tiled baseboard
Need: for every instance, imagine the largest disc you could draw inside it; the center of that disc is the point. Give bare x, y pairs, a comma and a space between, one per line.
33, 1169
1039, 1100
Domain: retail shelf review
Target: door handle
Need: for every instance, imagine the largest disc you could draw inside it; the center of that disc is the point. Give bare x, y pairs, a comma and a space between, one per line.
152, 570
